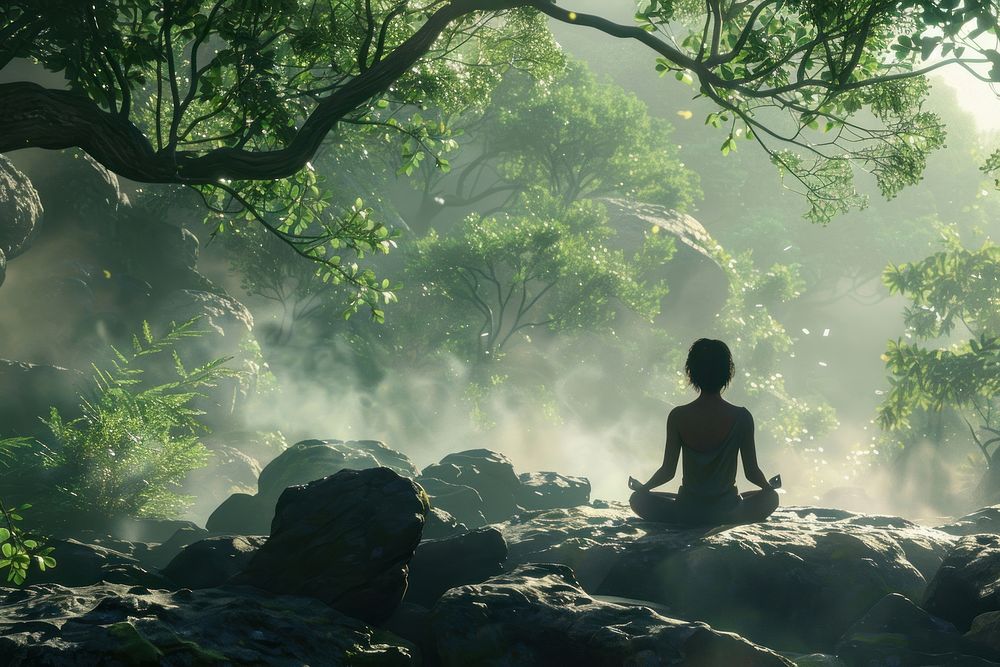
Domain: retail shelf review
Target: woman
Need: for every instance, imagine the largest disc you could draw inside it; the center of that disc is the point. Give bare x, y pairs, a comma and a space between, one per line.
711, 432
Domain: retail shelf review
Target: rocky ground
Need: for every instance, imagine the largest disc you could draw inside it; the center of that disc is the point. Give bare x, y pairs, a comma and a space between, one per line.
347, 554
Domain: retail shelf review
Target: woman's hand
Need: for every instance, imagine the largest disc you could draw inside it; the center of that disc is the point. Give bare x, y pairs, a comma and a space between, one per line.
635, 484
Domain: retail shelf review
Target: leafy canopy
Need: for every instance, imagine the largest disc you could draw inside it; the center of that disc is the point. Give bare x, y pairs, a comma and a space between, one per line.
217, 92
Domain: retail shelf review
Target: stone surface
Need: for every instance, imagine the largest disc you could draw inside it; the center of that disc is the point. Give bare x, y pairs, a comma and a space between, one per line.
550, 490
345, 539
110, 624
440, 524
539, 615
212, 562
968, 581
310, 460
438, 565
462, 502
490, 473
242, 514
795, 582
985, 520
20, 210
897, 632
80, 564
161, 554
985, 630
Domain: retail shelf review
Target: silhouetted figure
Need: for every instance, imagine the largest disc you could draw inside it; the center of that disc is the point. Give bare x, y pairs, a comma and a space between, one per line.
711, 432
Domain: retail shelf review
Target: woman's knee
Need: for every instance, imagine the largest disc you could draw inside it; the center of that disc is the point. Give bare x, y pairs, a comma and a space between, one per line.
638, 501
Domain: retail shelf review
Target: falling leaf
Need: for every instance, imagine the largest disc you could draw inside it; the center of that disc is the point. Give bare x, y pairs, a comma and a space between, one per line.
685, 114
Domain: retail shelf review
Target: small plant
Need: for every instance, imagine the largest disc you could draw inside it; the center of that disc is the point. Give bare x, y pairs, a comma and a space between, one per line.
17, 550
134, 443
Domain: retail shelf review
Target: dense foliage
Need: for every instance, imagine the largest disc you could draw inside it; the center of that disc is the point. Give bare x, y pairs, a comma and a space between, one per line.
133, 443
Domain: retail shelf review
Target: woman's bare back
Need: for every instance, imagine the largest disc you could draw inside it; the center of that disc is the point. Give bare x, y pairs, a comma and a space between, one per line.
705, 424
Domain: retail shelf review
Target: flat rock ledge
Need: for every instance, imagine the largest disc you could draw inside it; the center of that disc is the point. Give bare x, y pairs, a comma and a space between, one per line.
795, 582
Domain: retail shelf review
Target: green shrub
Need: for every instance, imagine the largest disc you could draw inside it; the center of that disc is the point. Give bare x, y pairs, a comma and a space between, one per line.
135, 442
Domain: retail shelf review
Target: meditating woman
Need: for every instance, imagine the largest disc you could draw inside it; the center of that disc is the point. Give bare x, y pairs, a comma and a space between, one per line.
711, 432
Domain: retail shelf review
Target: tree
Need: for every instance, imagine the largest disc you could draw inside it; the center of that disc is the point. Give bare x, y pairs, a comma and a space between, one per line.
954, 294
574, 135
506, 275
214, 93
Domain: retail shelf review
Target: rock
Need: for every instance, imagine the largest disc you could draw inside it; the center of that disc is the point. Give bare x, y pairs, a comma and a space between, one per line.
968, 581
985, 630
413, 623
345, 539
242, 514
795, 582
96, 196
440, 524
897, 632
550, 490
20, 211
160, 555
491, 474
986, 520
699, 284
80, 564
212, 562
29, 391
314, 459
228, 471
438, 565
110, 624
539, 615
462, 502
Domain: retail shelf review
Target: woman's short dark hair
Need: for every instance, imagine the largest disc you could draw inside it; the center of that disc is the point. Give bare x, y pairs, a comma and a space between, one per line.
709, 365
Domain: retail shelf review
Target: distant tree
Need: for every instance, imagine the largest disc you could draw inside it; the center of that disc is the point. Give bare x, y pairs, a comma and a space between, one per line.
501, 277
573, 135
954, 296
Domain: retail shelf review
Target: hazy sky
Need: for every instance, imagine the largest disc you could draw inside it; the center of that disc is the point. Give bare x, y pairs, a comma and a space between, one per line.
976, 97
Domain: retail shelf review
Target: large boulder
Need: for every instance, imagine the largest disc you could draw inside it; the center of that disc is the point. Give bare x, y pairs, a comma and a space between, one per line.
550, 490
441, 524
462, 502
110, 624
303, 462
968, 581
20, 211
213, 561
242, 514
345, 539
309, 460
439, 565
539, 615
698, 283
490, 473
897, 632
794, 582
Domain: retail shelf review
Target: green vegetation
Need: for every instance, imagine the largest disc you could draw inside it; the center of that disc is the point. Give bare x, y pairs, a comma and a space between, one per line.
954, 313
134, 442
500, 278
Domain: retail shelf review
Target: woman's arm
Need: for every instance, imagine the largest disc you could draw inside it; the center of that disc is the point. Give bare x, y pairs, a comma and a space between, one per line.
748, 452
671, 453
